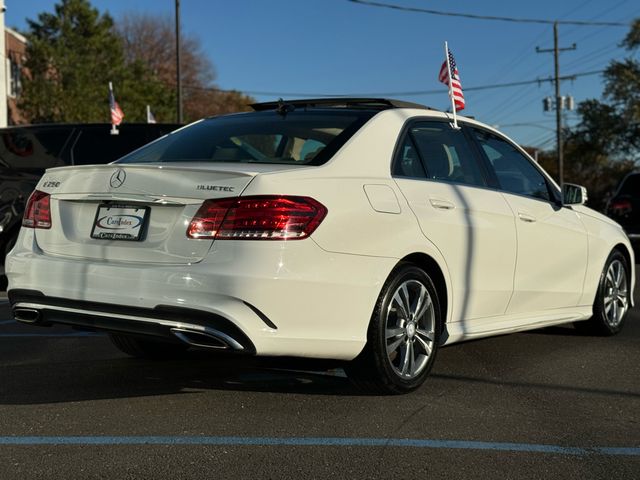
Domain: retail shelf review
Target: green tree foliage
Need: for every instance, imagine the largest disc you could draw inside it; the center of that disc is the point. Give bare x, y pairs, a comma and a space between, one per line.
72, 55
605, 145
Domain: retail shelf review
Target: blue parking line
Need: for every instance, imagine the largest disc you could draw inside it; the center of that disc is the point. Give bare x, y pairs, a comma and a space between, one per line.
318, 442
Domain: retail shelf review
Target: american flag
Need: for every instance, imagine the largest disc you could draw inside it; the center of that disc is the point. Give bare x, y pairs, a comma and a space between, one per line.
456, 86
116, 112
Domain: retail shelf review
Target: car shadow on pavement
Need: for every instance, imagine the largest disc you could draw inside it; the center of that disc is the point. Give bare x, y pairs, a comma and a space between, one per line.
74, 381
125, 377
564, 330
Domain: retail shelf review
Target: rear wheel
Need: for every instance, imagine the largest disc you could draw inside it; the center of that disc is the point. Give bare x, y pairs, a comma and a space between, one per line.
403, 335
149, 349
612, 300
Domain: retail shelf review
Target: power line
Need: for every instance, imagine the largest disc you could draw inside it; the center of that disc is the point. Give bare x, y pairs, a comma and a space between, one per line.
389, 94
604, 12
521, 57
594, 58
499, 108
486, 17
507, 109
527, 123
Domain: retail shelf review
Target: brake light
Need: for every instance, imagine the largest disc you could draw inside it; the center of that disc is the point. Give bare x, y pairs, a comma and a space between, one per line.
209, 218
37, 213
265, 217
620, 206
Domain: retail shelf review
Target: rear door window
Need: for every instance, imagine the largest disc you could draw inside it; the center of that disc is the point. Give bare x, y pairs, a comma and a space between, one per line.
408, 163
445, 153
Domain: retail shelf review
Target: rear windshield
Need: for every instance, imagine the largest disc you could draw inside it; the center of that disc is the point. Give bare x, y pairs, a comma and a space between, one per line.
301, 137
631, 186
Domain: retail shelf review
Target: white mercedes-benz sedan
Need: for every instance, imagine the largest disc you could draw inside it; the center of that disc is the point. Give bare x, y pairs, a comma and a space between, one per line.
365, 230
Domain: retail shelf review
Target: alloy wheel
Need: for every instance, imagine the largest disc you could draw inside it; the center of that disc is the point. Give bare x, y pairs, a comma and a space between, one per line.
410, 329
616, 293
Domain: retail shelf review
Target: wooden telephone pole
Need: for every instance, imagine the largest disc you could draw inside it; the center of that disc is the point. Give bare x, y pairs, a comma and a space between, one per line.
558, 103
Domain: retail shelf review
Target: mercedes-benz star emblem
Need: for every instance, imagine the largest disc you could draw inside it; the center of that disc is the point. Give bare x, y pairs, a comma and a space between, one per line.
118, 178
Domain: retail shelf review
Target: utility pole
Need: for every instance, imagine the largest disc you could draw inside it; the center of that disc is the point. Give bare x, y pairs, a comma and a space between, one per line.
558, 104
178, 76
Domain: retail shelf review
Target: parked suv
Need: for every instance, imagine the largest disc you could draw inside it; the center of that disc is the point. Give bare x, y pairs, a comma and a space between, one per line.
27, 151
624, 207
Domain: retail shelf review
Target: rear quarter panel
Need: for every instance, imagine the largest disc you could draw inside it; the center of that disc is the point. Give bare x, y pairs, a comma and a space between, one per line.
352, 225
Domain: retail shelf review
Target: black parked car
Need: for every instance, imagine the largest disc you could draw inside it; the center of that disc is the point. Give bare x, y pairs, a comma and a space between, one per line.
27, 151
624, 206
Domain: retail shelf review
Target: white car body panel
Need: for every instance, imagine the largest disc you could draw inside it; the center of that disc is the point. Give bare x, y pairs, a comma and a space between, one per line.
550, 239
320, 292
233, 273
474, 231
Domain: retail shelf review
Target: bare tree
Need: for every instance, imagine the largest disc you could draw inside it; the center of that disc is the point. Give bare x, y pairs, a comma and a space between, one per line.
150, 39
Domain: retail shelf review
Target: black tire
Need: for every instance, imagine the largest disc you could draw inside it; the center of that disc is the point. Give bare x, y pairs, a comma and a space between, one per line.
601, 322
375, 370
147, 349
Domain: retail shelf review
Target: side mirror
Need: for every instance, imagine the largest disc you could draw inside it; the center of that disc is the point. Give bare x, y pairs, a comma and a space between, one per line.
574, 194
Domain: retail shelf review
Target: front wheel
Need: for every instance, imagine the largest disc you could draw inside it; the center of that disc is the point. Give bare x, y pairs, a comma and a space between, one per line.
613, 298
403, 335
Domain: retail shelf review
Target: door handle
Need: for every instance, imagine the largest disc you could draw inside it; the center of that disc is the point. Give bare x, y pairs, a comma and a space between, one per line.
525, 217
442, 204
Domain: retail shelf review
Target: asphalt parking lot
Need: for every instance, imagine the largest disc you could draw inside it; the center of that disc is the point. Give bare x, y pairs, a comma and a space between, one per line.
544, 404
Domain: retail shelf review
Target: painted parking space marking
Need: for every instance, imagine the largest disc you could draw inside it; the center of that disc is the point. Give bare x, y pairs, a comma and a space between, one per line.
318, 442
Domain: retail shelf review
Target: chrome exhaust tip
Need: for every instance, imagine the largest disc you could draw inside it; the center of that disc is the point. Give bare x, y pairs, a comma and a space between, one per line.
206, 339
26, 315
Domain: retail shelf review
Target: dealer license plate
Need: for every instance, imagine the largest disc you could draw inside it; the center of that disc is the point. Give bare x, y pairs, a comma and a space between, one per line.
119, 222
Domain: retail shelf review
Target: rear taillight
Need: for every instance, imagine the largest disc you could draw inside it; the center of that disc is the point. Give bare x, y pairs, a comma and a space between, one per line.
620, 206
266, 217
37, 213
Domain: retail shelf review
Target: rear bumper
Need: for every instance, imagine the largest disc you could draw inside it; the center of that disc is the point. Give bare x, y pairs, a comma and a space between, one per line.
169, 323
285, 298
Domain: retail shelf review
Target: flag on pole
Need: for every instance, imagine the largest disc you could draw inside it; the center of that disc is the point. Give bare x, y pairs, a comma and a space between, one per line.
450, 77
150, 116
116, 112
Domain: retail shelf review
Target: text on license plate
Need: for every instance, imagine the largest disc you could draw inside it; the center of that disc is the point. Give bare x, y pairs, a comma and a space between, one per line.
119, 222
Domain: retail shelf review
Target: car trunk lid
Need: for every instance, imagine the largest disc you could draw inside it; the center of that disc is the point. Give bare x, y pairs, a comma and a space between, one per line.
87, 203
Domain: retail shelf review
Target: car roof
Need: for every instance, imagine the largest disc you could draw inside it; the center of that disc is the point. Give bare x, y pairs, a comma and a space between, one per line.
355, 103
337, 102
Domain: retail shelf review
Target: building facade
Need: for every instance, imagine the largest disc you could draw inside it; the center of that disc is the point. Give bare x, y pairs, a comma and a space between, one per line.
15, 57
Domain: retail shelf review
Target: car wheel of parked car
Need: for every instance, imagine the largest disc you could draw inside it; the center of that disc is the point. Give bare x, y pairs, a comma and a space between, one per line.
403, 335
612, 300
149, 349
